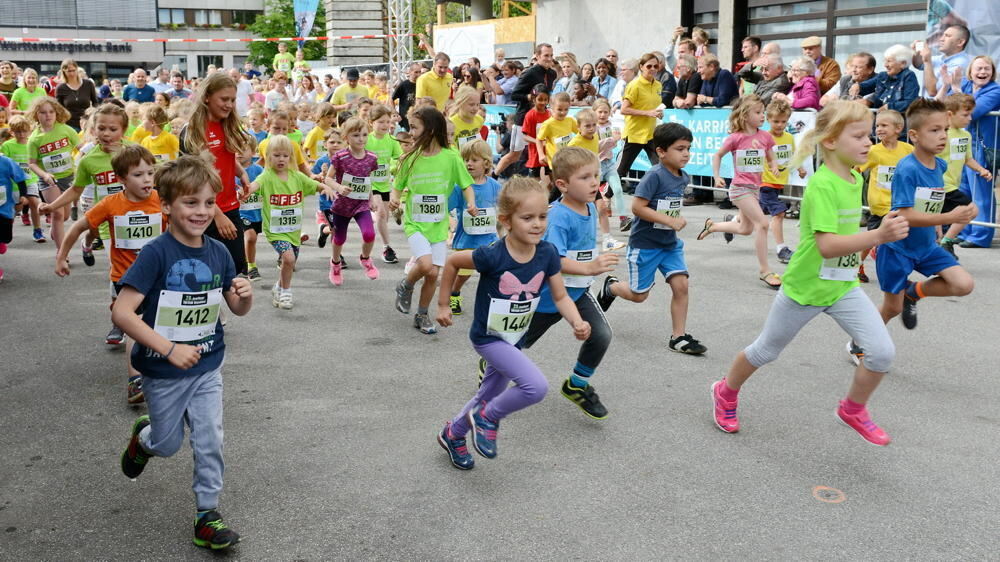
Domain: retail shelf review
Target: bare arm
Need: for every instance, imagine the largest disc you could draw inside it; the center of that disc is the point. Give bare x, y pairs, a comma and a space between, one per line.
68, 243
962, 214
641, 209
567, 307
456, 261
894, 227
67, 197
123, 314
602, 264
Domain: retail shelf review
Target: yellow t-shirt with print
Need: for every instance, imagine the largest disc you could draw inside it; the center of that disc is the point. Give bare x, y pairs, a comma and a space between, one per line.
313, 143
956, 153
591, 144
466, 131
164, 146
138, 134
784, 148
556, 134
882, 163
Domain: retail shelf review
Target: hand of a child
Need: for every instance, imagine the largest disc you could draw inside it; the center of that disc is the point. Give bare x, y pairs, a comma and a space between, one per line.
802, 172
241, 288
393, 201
581, 329
773, 166
45, 208
184, 356
472, 210
894, 227
986, 175
604, 263
967, 213
344, 190
678, 223
225, 227
62, 268
444, 315
719, 182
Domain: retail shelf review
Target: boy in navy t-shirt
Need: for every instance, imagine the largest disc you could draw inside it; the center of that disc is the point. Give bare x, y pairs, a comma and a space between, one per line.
12, 182
180, 279
653, 244
918, 194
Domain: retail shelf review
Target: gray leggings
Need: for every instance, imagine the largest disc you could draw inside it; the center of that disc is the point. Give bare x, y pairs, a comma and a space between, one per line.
854, 312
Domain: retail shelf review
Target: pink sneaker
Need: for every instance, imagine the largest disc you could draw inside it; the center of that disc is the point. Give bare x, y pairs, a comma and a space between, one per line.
3, 248
1, 276
335, 277
724, 412
863, 424
370, 270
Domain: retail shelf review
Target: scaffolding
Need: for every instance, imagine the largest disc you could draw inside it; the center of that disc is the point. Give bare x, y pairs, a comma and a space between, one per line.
399, 23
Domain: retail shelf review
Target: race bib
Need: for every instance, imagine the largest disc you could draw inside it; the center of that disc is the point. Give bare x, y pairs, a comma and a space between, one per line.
508, 319
929, 200
883, 177
285, 220
427, 208
607, 132
563, 141
361, 188
671, 207
842, 268
56, 163
959, 149
750, 161
135, 230
462, 141
381, 173
782, 154
283, 65
253, 203
483, 223
582, 256
109, 189
183, 316
32, 189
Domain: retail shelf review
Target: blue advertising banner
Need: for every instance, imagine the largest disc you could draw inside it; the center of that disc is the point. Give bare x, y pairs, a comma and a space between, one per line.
305, 15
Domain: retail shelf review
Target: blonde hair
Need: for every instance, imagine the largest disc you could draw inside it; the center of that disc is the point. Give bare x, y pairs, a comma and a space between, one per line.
379, 111
275, 143
353, 124
830, 122
586, 114
699, 33
324, 110
19, 124
570, 159
66, 63
463, 95
561, 97
601, 102
185, 176
156, 114
516, 189
194, 137
112, 110
29, 72
478, 149
778, 108
987, 58
741, 111
893, 116
958, 102
62, 114
331, 133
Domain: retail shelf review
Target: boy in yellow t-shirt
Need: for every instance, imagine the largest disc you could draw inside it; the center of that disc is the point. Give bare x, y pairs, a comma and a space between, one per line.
958, 155
313, 143
882, 160
587, 138
778, 113
557, 131
163, 145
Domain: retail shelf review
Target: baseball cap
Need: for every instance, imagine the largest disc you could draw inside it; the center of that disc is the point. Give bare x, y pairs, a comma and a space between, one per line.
352, 74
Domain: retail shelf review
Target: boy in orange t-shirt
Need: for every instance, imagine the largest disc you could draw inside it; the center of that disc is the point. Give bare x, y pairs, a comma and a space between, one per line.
134, 218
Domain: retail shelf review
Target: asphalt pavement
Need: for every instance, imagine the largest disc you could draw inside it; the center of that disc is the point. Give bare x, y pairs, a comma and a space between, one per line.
331, 412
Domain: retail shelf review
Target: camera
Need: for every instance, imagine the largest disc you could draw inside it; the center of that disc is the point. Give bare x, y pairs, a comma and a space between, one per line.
501, 127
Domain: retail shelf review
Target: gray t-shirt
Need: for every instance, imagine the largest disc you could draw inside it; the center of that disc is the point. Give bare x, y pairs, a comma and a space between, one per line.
664, 191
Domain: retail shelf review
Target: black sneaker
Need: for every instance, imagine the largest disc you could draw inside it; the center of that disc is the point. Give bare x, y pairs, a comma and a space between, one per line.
605, 297
324, 233
909, 312
211, 532
687, 344
586, 398
482, 370
88, 254
728, 235
389, 255
625, 224
949, 246
97, 245
115, 336
134, 457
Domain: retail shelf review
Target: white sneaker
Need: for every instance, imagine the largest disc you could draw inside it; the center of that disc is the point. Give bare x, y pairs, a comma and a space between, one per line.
275, 293
285, 300
610, 244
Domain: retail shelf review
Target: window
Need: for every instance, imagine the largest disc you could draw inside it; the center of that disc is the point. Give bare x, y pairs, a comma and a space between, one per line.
176, 62
244, 17
205, 60
201, 17
170, 16
706, 16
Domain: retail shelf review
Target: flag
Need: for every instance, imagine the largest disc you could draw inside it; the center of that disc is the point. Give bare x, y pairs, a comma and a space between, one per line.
305, 15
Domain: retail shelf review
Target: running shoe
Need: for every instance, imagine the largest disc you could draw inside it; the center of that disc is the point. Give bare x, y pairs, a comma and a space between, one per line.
135, 395
785, 254
455, 301
724, 412
324, 233
275, 293
1, 281
855, 351
423, 323
389, 255
370, 270
862, 276
285, 300
728, 235
863, 424
210, 532
88, 254
624, 224
949, 246
610, 244
253, 274
25, 219
3, 248
687, 344
484, 433
73, 215
97, 245
586, 398
38, 236
115, 336
335, 275
404, 296
134, 457
605, 297
457, 450
909, 312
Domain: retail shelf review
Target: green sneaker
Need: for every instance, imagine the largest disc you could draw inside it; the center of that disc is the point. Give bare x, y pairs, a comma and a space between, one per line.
456, 304
211, 532
586, 398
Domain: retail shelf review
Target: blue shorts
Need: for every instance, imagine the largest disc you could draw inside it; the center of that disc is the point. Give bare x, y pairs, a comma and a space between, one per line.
643, 263
769, 202
282, 246
894, 268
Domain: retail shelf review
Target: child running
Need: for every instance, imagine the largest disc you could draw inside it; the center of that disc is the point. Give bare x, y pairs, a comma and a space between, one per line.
161, 143
608, 136
752, 148
653, 244
283, 190
881, 164
350, 174
466, 118
325, 115
472, 232
429, 173
179, 280
587, 122
12, 181
135, 220
554, 134
918, 194
250, 209
513, 271
333, 144
388, 151
778, 113
50, 157
16, 149
822, 275
538, 114
958, 154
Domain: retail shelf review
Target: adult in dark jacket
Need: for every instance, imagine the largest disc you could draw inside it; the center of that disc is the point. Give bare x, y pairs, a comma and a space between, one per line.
688, 83
897, 87
542, 72
768, 75
718, 87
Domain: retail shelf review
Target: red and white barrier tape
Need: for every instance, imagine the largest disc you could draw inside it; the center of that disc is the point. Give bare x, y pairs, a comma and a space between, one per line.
193, 40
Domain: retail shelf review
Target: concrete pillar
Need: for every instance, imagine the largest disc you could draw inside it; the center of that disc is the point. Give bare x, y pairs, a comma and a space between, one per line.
726, 34
482, 10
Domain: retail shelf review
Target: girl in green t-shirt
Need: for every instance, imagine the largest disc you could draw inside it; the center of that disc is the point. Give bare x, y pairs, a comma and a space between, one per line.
822, 275
388, 151
50, 156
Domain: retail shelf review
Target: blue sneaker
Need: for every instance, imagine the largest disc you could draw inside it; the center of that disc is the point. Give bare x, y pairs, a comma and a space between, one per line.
458, 452
484, 433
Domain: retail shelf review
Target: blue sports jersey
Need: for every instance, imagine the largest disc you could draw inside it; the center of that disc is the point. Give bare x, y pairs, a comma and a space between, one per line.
10, 175
917, 186
574, 236
252, 215
325, 203
486, 201
664, 191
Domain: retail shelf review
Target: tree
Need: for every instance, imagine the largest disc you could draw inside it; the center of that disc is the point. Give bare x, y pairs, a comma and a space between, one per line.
278, 20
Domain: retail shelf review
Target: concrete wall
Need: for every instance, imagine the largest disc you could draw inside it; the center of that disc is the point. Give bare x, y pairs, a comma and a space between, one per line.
588, 28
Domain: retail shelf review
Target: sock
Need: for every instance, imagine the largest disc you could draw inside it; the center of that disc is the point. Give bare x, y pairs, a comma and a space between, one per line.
727, 393
422, 310
251, 264
945, 240
456, 293
861, 268
580, 376
851, 407
915, 291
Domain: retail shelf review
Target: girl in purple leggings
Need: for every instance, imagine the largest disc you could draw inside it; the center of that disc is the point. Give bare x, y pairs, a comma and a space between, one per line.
352, 168
512, 272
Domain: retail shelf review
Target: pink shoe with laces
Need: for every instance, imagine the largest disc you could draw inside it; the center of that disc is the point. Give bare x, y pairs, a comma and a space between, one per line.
370, 270
863, 424
724, 412
335, 277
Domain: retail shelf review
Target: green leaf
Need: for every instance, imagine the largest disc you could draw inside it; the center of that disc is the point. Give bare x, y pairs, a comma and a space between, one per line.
278, 20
